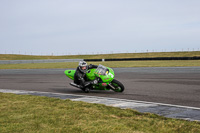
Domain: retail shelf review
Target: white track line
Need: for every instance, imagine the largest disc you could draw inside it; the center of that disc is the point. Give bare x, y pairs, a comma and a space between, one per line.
117, 99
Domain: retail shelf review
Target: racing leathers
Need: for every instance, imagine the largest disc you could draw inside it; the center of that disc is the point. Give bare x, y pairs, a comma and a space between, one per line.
80, 77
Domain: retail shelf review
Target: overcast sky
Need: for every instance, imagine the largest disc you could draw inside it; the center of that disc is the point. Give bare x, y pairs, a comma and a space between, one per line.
98, 26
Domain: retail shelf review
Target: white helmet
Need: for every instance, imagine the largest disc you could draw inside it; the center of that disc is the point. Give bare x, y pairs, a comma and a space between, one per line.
83, 67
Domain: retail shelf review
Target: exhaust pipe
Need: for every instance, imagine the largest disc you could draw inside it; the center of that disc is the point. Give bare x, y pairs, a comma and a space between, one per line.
75, 85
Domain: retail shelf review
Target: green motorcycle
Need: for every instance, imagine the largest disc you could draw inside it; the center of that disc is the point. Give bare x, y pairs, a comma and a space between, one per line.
104, 77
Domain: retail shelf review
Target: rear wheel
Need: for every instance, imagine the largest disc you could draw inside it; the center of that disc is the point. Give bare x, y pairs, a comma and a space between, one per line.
117, 86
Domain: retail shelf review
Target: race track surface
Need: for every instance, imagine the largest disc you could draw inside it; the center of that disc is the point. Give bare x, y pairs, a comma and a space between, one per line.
173, 85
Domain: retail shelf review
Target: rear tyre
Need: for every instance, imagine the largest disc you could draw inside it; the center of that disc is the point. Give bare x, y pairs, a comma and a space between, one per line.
119, 87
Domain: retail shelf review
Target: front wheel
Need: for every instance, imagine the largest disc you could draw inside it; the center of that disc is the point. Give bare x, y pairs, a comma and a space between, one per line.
116, 86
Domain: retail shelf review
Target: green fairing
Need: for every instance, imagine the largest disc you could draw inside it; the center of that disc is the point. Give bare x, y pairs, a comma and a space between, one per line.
70, 73
92, 74
109, 77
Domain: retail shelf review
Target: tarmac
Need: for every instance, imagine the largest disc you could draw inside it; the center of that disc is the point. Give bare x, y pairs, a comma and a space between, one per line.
166, 110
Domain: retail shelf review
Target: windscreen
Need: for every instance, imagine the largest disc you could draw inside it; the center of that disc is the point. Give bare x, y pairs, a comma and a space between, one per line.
101, 70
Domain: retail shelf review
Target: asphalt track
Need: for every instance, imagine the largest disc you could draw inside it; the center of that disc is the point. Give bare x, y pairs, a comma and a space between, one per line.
169, 85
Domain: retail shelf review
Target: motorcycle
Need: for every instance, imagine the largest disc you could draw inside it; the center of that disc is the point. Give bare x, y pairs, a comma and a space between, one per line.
104, 77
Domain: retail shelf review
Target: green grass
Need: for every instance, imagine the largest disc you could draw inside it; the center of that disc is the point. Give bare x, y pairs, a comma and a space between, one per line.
113, 64
31, 114
171, 63
102, 56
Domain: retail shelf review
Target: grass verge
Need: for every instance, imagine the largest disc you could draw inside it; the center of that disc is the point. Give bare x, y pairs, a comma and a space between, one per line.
113, 64
102, 56
30, 114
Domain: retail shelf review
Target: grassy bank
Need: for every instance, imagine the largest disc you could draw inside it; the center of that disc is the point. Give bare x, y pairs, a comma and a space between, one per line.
113, 64
102, 56
30, 114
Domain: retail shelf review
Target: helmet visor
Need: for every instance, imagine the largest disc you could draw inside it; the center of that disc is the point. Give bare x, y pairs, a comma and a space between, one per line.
83, 67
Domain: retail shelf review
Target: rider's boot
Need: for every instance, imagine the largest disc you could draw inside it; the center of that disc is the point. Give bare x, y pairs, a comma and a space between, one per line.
87, 84
86, 90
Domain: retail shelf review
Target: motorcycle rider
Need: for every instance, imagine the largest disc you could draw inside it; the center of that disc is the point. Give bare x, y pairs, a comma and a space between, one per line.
80, 76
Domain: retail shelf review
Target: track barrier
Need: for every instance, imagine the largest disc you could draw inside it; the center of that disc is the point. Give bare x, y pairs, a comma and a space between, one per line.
77, 60
140, 59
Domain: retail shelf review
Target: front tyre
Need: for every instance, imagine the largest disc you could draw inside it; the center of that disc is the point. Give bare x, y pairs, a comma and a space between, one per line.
118, 86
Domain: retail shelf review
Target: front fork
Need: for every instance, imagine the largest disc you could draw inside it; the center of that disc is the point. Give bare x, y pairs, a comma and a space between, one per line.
111, 86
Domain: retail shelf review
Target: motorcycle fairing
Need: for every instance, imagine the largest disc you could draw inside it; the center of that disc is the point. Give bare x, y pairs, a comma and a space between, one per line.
70, 73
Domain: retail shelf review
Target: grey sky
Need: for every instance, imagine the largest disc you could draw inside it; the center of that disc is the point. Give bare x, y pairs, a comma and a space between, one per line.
81, 26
